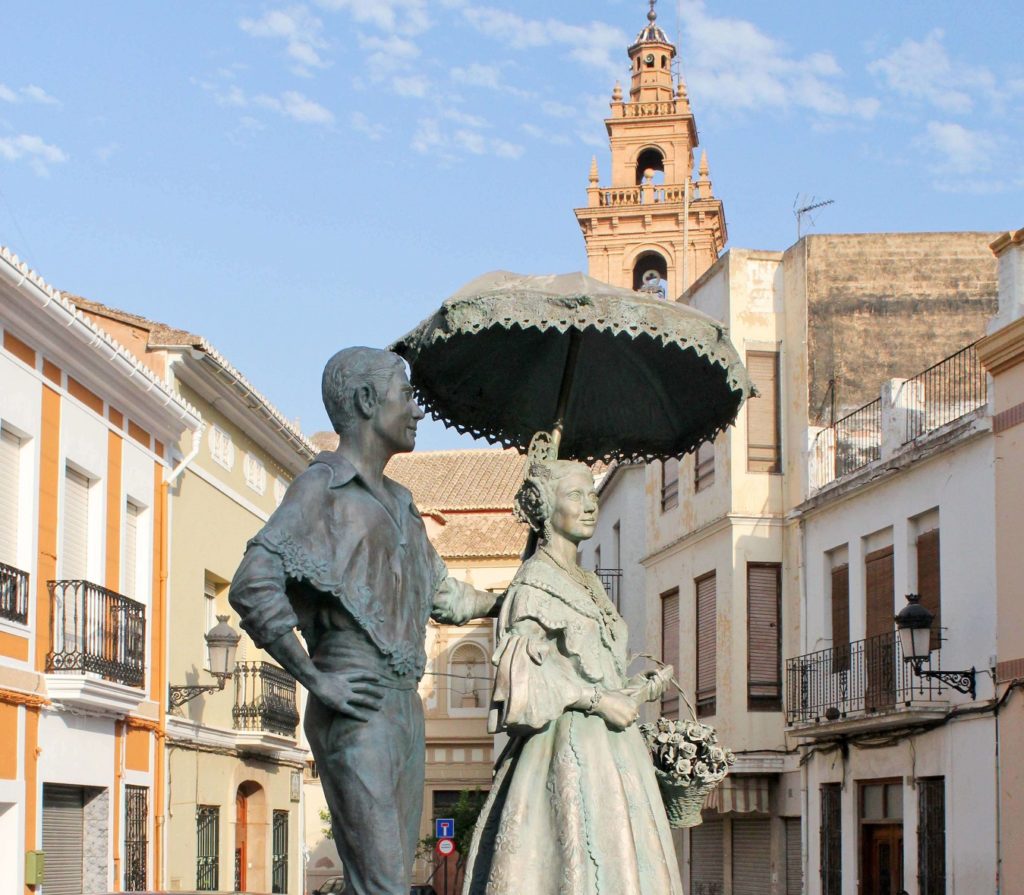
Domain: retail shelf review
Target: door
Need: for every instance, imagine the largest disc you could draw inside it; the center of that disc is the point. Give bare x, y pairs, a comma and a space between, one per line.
241, 837
880, 646
63, 838
882, 862
707, 857
751, 852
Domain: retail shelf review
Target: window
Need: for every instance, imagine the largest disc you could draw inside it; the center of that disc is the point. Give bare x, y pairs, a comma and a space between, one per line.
74, 552
704, 466
764, 452
136, 822
10, 486
830, 859
255, 473
279, 855
764, 636
880, 643
706, 645
129, 582
207, 848
222, 449
280, 486
470, 685
670, 649
210, 588
931, 836
669, 483
928, 581
841, 618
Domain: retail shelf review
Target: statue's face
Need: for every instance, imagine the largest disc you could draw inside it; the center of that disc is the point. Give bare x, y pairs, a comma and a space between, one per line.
575, 513
397, 414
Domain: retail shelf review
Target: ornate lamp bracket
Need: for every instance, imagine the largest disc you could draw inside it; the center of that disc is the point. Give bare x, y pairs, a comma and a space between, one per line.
178, 696
961, 681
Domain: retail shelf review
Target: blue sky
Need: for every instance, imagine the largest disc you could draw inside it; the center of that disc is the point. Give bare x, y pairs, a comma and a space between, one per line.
288, 178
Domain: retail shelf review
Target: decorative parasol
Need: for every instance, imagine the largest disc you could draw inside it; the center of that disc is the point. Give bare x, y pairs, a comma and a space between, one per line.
614, 374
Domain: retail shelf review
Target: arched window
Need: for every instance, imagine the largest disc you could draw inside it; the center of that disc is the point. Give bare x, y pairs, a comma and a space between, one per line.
649, 261
664, 61
469, 686
650, 160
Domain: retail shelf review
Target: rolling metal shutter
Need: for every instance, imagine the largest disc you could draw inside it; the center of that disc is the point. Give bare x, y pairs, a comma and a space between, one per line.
751, 856
763, 423
764, 637
670, 649
129, 586
10, 447
74, 558
706, 644
63, 819
707, 856
794, 857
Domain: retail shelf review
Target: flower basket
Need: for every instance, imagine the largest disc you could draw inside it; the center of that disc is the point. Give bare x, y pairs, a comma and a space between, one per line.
683, 802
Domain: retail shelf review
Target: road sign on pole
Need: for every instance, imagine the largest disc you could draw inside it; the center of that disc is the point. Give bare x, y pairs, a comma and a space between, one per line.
445, 847
444, 827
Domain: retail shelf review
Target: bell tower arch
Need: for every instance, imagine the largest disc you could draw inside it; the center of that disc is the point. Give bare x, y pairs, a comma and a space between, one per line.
653, 207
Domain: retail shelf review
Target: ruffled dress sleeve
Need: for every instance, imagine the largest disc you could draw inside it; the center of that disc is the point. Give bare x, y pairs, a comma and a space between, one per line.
535, 682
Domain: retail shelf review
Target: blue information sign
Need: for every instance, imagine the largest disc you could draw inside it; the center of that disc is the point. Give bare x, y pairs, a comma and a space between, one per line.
444, 827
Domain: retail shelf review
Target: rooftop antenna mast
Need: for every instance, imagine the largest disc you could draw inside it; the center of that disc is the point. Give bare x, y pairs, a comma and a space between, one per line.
802, 207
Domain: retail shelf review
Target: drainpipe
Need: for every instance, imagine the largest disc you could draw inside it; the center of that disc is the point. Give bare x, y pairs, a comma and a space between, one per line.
197, 441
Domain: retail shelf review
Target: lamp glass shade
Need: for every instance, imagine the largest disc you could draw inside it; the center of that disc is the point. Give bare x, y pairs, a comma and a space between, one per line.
221, 644
914, 622
915, 642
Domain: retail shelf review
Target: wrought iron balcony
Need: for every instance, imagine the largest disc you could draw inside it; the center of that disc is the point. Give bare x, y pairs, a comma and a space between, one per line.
264, 699
861, 678
610, 579
13, 594
95, 630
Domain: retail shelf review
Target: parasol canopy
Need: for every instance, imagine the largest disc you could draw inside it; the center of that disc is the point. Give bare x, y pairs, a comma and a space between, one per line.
624, 375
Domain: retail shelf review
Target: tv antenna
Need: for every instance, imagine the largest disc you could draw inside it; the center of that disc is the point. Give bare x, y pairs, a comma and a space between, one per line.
802, 207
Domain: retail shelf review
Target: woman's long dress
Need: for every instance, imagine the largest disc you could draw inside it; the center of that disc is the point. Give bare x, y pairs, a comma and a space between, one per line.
574, 808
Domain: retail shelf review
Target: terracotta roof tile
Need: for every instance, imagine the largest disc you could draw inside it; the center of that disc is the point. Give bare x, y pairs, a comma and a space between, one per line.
460, 480
479, 535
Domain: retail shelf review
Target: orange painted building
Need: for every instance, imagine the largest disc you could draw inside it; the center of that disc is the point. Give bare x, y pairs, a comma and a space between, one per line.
84, 459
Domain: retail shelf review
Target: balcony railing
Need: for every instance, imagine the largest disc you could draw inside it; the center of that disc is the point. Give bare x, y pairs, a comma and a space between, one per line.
264, 699
95, 630
851, 442
610, 579
13, 594
944, 392
862, 677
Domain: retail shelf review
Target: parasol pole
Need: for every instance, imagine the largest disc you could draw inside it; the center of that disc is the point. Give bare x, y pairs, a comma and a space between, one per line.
565, 389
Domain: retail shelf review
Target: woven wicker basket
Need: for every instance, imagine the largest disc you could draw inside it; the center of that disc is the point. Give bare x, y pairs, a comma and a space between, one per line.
683, 804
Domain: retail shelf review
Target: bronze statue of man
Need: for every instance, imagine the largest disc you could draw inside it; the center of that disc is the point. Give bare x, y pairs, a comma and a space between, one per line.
346, 560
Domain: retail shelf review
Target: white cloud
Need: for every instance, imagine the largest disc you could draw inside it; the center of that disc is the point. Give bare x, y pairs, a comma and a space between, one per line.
410, 85
31, 149
558, 110
30, 92
400, 16
538, 133
465, 119
732, 64
299, 29
486, 77
385, 51
296, 106
922, 70
596, 44
361, 124
958, 150
105, 153
432, 138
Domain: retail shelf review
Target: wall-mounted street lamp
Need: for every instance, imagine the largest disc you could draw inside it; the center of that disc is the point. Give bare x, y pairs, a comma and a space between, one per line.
221, 644
914, 623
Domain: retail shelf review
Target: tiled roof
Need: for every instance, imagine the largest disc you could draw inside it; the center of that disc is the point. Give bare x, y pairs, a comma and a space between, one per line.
460, 480
494, 534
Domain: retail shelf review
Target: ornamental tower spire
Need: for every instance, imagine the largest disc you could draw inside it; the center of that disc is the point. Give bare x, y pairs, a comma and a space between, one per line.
653, 215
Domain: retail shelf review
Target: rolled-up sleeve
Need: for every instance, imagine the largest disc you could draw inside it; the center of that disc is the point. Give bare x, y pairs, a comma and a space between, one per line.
259, 597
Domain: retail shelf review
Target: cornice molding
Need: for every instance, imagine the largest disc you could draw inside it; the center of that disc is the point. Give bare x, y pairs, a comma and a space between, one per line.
1008, 239
1004, 348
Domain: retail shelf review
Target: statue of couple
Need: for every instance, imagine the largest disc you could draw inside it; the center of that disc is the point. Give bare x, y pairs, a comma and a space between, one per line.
575, 806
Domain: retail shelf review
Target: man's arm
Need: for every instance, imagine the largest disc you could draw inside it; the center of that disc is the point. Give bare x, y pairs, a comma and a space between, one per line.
456, 602
258, 596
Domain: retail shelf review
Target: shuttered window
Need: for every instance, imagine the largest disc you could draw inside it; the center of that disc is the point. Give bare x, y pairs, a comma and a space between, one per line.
841, 618
10, 456
764, 636
931, 836
63, 838
129, 585
669, 483
704, 466
706, 647
831, 840
880, 647
928, 581
707, 859
878, 573
74, 558
751, 846
794, 856
670, 649
763, 420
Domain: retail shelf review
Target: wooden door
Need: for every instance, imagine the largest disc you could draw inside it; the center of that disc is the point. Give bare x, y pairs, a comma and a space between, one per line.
880, 646
241, 835
882, 859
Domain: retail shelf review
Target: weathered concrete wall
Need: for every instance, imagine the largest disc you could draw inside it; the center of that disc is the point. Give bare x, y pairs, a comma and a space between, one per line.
922, 296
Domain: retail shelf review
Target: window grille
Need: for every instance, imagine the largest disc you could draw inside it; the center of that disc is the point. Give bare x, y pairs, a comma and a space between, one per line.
207, 848
136, 824
831, 839
931, 836
279, 871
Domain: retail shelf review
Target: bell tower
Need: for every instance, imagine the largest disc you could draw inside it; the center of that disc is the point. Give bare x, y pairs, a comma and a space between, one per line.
654, 215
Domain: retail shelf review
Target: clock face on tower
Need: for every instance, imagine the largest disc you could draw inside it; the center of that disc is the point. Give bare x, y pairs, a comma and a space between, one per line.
649, 58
